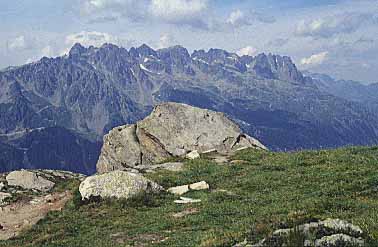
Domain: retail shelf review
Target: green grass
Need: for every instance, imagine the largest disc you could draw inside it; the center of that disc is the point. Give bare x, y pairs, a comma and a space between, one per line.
247, 200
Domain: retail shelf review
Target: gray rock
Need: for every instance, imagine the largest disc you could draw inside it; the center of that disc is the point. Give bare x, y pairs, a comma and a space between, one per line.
327, 233
29, 180
172, 129
333, 226
121, 150
2, 186
179, 190
337, 240
193, 155
182, 126
171, 166
199, 186
186, 200
4, 196
117, 184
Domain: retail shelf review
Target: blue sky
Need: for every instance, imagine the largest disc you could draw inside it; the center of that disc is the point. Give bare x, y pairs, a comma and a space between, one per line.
337, 37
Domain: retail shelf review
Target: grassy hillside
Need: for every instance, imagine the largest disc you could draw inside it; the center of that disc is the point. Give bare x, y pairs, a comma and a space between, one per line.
247, 200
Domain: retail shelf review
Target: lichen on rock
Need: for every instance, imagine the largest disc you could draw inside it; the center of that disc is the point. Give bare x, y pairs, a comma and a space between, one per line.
117, 184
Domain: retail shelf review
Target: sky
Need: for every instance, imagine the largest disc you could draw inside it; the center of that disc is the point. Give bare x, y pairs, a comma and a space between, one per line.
335, 37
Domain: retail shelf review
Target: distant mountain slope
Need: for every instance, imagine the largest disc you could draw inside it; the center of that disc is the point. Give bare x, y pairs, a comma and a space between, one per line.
48, 148
349, 90
92, 90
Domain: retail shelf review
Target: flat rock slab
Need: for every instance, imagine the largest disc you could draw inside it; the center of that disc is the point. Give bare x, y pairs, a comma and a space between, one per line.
186, 200
171, 166
199, 186
179, 190
18, 216
29, 180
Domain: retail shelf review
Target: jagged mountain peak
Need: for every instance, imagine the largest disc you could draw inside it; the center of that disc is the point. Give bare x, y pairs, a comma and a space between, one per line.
77, 49
178, 59
144, 50
109, 46
175, 51
94, 89
213, 53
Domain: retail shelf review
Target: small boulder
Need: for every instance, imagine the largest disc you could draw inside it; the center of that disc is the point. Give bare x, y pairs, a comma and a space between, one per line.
193, 155
117, 184
199, 186
179, 190
29, 180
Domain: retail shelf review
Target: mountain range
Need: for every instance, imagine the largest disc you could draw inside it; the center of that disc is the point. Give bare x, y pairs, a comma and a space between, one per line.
54, 112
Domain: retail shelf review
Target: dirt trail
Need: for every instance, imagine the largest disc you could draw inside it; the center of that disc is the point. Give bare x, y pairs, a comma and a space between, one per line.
21, 215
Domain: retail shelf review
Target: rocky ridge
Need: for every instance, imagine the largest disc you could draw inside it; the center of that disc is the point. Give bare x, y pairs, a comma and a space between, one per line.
81, 96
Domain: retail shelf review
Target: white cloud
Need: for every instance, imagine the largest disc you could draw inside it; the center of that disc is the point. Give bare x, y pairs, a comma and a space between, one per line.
177, 9
331, 25
90, 38
111, 10
247, 51
96, 5
18, 43
239, 18
165, 41
47, 51
94, 38
189, 12
236, 17
315, 59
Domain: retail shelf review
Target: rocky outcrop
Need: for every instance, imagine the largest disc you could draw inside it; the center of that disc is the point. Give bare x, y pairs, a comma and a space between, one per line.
327, 233
29, 180
172, 129
117, 184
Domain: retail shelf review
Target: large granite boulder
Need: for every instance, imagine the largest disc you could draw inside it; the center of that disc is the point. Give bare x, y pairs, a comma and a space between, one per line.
29, 180
172, 129
117, 184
